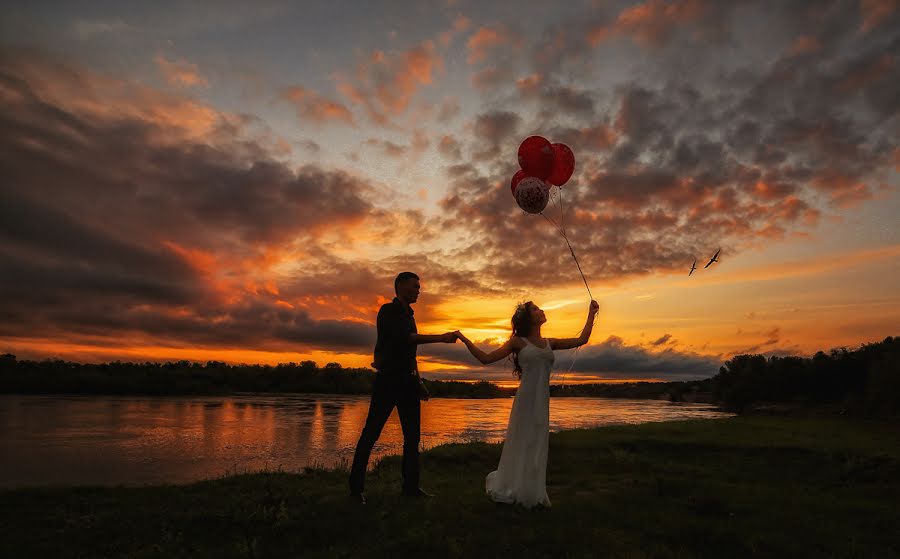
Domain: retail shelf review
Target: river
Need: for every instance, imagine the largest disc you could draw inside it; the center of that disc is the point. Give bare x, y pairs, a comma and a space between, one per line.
135, 440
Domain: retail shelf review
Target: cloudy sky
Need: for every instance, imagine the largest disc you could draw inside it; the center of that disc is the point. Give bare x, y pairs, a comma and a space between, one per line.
242, 181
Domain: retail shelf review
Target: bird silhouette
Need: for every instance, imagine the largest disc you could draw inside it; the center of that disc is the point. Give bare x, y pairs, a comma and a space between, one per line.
693, 267
713, 259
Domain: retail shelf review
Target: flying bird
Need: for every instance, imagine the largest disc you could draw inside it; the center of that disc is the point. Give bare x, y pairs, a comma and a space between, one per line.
693, 267
713, 259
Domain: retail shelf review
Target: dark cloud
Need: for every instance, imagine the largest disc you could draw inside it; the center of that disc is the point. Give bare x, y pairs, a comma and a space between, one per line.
611, 359
556, 98
387, 147
661, 340
614, 359
449, 109
149, 181
493, 77
449, 147
495, 130
254, 323
115, 223
310, 146
767, 346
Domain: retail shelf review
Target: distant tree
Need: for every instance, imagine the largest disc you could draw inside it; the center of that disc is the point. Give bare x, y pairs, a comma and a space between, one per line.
7, 362
861, 380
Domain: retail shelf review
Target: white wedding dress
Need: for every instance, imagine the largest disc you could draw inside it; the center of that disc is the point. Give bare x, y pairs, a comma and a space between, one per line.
521, 476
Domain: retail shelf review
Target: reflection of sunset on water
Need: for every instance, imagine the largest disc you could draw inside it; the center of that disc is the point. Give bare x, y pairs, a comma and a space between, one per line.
133, 440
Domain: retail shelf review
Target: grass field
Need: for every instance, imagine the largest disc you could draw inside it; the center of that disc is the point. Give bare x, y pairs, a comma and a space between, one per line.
738, 487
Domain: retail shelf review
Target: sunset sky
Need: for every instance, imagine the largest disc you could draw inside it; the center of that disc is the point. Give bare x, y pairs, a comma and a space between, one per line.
242, 181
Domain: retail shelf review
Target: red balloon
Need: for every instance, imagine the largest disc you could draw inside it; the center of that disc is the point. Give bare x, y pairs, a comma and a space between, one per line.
536, 157
517, 178
563, 165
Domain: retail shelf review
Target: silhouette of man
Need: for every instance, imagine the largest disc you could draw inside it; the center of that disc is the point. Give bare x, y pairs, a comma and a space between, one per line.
397, 383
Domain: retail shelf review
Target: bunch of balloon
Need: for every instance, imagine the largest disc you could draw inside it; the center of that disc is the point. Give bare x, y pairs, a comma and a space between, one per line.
543, 166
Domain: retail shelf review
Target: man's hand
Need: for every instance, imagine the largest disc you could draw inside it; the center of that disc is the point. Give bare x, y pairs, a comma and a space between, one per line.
595, 306
423, 392
449, 337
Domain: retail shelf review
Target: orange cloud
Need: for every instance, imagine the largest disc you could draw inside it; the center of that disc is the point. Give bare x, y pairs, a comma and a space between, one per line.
222, 276
805, 45
860, 78
486, 39
104, 97
598, 34
180, 72
202, 261
313, 107
650, 23
599, 136
874, 12
845, 191
385, 83
460, 25
529, 84
771, 190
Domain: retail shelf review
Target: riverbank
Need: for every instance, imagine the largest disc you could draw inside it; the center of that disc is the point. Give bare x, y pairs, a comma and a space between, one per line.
185, 378
764, 486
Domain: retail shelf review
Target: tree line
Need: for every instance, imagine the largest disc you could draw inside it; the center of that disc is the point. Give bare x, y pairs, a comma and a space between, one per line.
57, 376
861, 380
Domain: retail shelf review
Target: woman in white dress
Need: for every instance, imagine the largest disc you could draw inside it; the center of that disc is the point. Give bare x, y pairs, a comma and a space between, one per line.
521, 476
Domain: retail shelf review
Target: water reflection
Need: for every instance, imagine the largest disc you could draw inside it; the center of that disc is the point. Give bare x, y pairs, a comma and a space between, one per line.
135, 440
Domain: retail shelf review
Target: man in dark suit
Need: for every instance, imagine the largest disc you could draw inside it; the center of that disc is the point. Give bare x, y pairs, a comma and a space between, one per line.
397, 383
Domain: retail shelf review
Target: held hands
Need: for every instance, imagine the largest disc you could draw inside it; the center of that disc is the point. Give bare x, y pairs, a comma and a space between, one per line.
449, 337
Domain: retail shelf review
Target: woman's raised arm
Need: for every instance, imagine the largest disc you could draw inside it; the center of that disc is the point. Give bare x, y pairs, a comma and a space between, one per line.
569, 343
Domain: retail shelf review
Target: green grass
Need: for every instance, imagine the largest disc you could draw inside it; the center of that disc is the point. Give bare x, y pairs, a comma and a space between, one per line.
737, 487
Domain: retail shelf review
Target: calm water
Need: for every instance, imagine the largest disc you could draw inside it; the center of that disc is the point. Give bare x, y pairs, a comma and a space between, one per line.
113, 440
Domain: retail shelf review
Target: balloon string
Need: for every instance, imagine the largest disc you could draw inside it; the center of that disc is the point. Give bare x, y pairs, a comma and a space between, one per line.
560, 228
562, 215
574, 257
579, 266
571, 250
566, 237
550, 219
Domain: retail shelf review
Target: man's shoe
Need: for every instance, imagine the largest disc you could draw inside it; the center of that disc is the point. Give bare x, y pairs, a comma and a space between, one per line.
417, 493
358, 497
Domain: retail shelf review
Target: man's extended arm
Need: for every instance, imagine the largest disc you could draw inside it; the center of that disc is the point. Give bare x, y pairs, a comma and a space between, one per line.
419, 339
